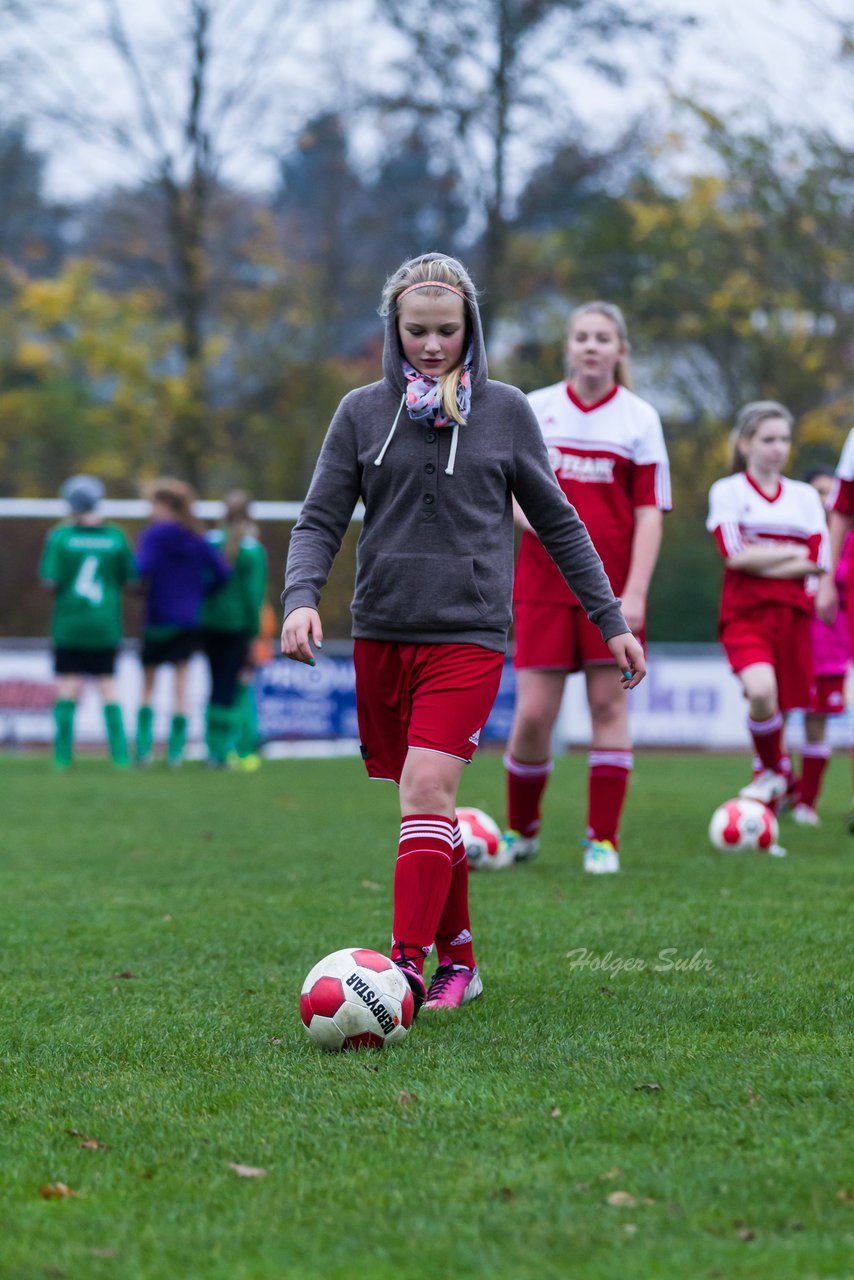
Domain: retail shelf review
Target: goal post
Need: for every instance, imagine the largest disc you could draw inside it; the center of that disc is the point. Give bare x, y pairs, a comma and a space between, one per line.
140, 509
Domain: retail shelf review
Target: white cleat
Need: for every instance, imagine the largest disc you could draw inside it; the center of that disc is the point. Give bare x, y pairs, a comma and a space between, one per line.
767, 788
777, 851
600, 858
805, 816
520, 848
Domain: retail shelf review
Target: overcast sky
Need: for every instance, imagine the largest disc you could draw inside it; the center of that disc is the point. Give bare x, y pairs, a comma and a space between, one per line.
750, 57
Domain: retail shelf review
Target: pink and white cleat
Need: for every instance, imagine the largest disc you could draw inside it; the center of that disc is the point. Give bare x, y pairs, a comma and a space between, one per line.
453, 985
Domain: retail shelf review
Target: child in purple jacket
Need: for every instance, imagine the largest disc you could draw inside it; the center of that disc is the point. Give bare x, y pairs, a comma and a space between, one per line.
178, 568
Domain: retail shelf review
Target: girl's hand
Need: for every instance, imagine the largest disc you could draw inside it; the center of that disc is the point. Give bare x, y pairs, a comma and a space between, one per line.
827, 599
634, 609
301, 626
628, 655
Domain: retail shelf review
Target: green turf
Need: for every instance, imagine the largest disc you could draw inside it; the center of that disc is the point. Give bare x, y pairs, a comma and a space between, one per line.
525, 1111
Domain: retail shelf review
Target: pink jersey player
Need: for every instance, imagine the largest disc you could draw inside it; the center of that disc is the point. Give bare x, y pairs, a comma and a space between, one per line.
841, 523
831, 649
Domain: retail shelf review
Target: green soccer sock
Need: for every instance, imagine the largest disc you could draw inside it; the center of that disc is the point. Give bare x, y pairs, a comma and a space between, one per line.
116, 735
219, 731
177, 740
63, 714
144, 732
247, 722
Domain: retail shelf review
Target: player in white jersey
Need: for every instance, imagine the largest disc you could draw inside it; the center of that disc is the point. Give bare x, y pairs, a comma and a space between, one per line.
772, 534
841, 522
607, 449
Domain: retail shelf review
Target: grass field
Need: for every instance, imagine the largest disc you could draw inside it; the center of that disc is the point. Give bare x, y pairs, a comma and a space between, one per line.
708, 1092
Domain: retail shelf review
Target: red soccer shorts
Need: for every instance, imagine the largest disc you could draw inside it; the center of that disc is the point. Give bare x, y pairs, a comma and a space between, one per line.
828, 696
434, 696
558, 637
780, 636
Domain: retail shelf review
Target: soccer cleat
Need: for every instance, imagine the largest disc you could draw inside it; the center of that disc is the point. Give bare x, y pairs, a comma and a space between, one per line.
805, 816
417, 986
453, 985
767, 788
777, 851
244, 764
600, 857
515, 847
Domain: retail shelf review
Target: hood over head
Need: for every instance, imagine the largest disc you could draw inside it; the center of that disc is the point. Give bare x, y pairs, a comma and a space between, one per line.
392, 354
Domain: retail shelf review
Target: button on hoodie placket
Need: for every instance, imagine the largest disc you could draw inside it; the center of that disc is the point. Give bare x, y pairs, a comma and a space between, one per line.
430, 495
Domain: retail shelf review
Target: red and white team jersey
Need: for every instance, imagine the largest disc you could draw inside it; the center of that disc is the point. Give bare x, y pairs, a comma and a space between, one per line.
741, 515
842, 495
609, 458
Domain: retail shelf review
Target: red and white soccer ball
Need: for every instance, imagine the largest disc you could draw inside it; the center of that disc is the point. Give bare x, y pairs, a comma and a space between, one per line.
482, 841
356, 999
741, 825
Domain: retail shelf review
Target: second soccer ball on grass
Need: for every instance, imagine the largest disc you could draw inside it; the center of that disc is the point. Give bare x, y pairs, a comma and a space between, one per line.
742, 825
485, 849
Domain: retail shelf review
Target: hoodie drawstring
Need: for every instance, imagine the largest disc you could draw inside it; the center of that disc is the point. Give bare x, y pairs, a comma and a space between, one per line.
378, 460
449, 469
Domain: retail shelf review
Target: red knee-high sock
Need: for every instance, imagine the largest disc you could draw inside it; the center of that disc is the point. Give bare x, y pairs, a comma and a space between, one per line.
422, 877
814, 760
767, 738
453, 933
525, 786
607, 783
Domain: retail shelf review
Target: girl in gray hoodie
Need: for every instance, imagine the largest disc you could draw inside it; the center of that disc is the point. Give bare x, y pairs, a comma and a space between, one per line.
436, 451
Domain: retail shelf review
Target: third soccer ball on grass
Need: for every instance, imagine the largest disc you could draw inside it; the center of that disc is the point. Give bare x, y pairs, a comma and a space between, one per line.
356, 999
742, 825
484, 848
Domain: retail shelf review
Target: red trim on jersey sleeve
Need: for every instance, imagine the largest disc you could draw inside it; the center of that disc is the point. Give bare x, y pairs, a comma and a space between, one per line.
843, 498
729, 539
651, 485
597, 404
814, 542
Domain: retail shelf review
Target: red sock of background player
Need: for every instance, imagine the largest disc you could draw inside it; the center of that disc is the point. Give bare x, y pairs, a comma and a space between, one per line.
767, 738
607, 784
453, 934
814, 760
525, 786
422, 877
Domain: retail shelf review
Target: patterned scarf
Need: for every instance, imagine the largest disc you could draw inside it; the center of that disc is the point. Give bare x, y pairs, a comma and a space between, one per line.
424, 394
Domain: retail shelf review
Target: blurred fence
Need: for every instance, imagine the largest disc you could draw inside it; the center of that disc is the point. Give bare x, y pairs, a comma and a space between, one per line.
689, 699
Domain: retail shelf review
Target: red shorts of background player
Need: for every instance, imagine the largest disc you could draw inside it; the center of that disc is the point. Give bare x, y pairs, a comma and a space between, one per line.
828, 696
558, 637
433, 696
780, 636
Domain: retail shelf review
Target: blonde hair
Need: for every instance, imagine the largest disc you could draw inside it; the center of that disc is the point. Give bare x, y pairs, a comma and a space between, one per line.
237, 521
177, 497
748, 422
622, 371
444, 271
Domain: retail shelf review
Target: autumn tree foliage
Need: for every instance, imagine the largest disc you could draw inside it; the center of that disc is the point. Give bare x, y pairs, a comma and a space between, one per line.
183, 319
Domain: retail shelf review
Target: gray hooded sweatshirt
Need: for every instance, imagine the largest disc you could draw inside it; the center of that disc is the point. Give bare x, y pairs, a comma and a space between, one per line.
435, 556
